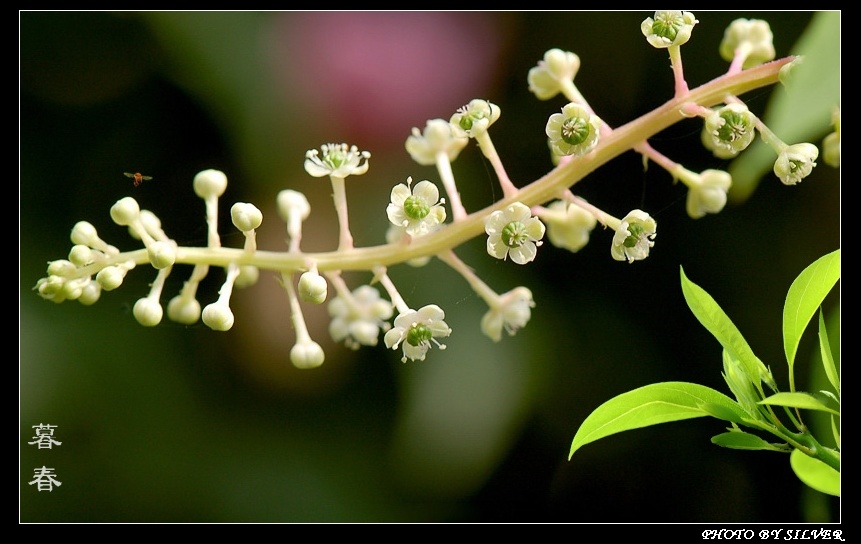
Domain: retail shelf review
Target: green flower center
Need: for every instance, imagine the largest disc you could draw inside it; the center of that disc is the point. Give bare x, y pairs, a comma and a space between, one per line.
734, 127
575, 130
514, 234
416, 208
419, 334
466, 122
667, 26
637, 232
470, 117
335, 160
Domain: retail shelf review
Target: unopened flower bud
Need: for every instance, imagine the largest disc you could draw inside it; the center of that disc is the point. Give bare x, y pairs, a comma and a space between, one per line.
62, 268
185, 310
81, 255
307, 355
111, 277
210, 183
246, 217
91, 293
125, 211
162, 254
248, 276
148, 312
313, 287
218, 317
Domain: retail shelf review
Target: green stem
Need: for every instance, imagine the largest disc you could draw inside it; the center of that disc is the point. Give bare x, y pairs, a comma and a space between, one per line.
809, 445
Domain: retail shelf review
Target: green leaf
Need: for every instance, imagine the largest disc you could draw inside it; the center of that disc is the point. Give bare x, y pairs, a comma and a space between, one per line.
815, 473
803, 111
827, 355
806, 295
721, 411
804, 401
835, 431
722, 328
653, 404
740, 440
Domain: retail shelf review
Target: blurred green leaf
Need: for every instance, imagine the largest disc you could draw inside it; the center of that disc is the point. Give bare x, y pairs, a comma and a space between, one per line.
815, 473
650, 405
802, 112
806, 295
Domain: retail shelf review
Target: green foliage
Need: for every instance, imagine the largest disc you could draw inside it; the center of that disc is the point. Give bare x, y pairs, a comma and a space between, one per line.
804, 297
653, 404
814, 473
814, 464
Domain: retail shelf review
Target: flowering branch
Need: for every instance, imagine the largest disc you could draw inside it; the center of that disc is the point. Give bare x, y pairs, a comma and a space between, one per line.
541, 190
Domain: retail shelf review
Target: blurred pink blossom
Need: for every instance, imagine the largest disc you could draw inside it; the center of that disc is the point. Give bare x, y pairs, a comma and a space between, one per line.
372, 76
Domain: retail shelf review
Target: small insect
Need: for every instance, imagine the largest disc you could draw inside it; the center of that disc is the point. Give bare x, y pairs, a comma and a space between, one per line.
138, 177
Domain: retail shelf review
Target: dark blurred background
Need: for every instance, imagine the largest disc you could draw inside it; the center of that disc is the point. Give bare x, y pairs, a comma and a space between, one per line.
184, 424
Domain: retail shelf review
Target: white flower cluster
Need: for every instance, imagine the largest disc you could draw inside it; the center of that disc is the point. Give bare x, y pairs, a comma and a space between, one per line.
417, 213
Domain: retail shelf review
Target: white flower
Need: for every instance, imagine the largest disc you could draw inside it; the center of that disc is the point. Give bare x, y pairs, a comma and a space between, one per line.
668, 28
511, 312
708, 194
415, 330
574, 131
474, 118
568, 225
338, 160
357, 319
513, 232
438, 137
545, 80
418, 209
795, 163
729, 130
752, 38
633, 237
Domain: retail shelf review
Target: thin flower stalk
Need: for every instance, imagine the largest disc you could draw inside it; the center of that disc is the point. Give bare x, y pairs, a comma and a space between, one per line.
671, 29
305, 353
339, 194
394, 295
510, 311
446, 175
572, 93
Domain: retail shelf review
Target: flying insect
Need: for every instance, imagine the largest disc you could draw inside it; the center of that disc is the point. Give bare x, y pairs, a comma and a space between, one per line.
138, 177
